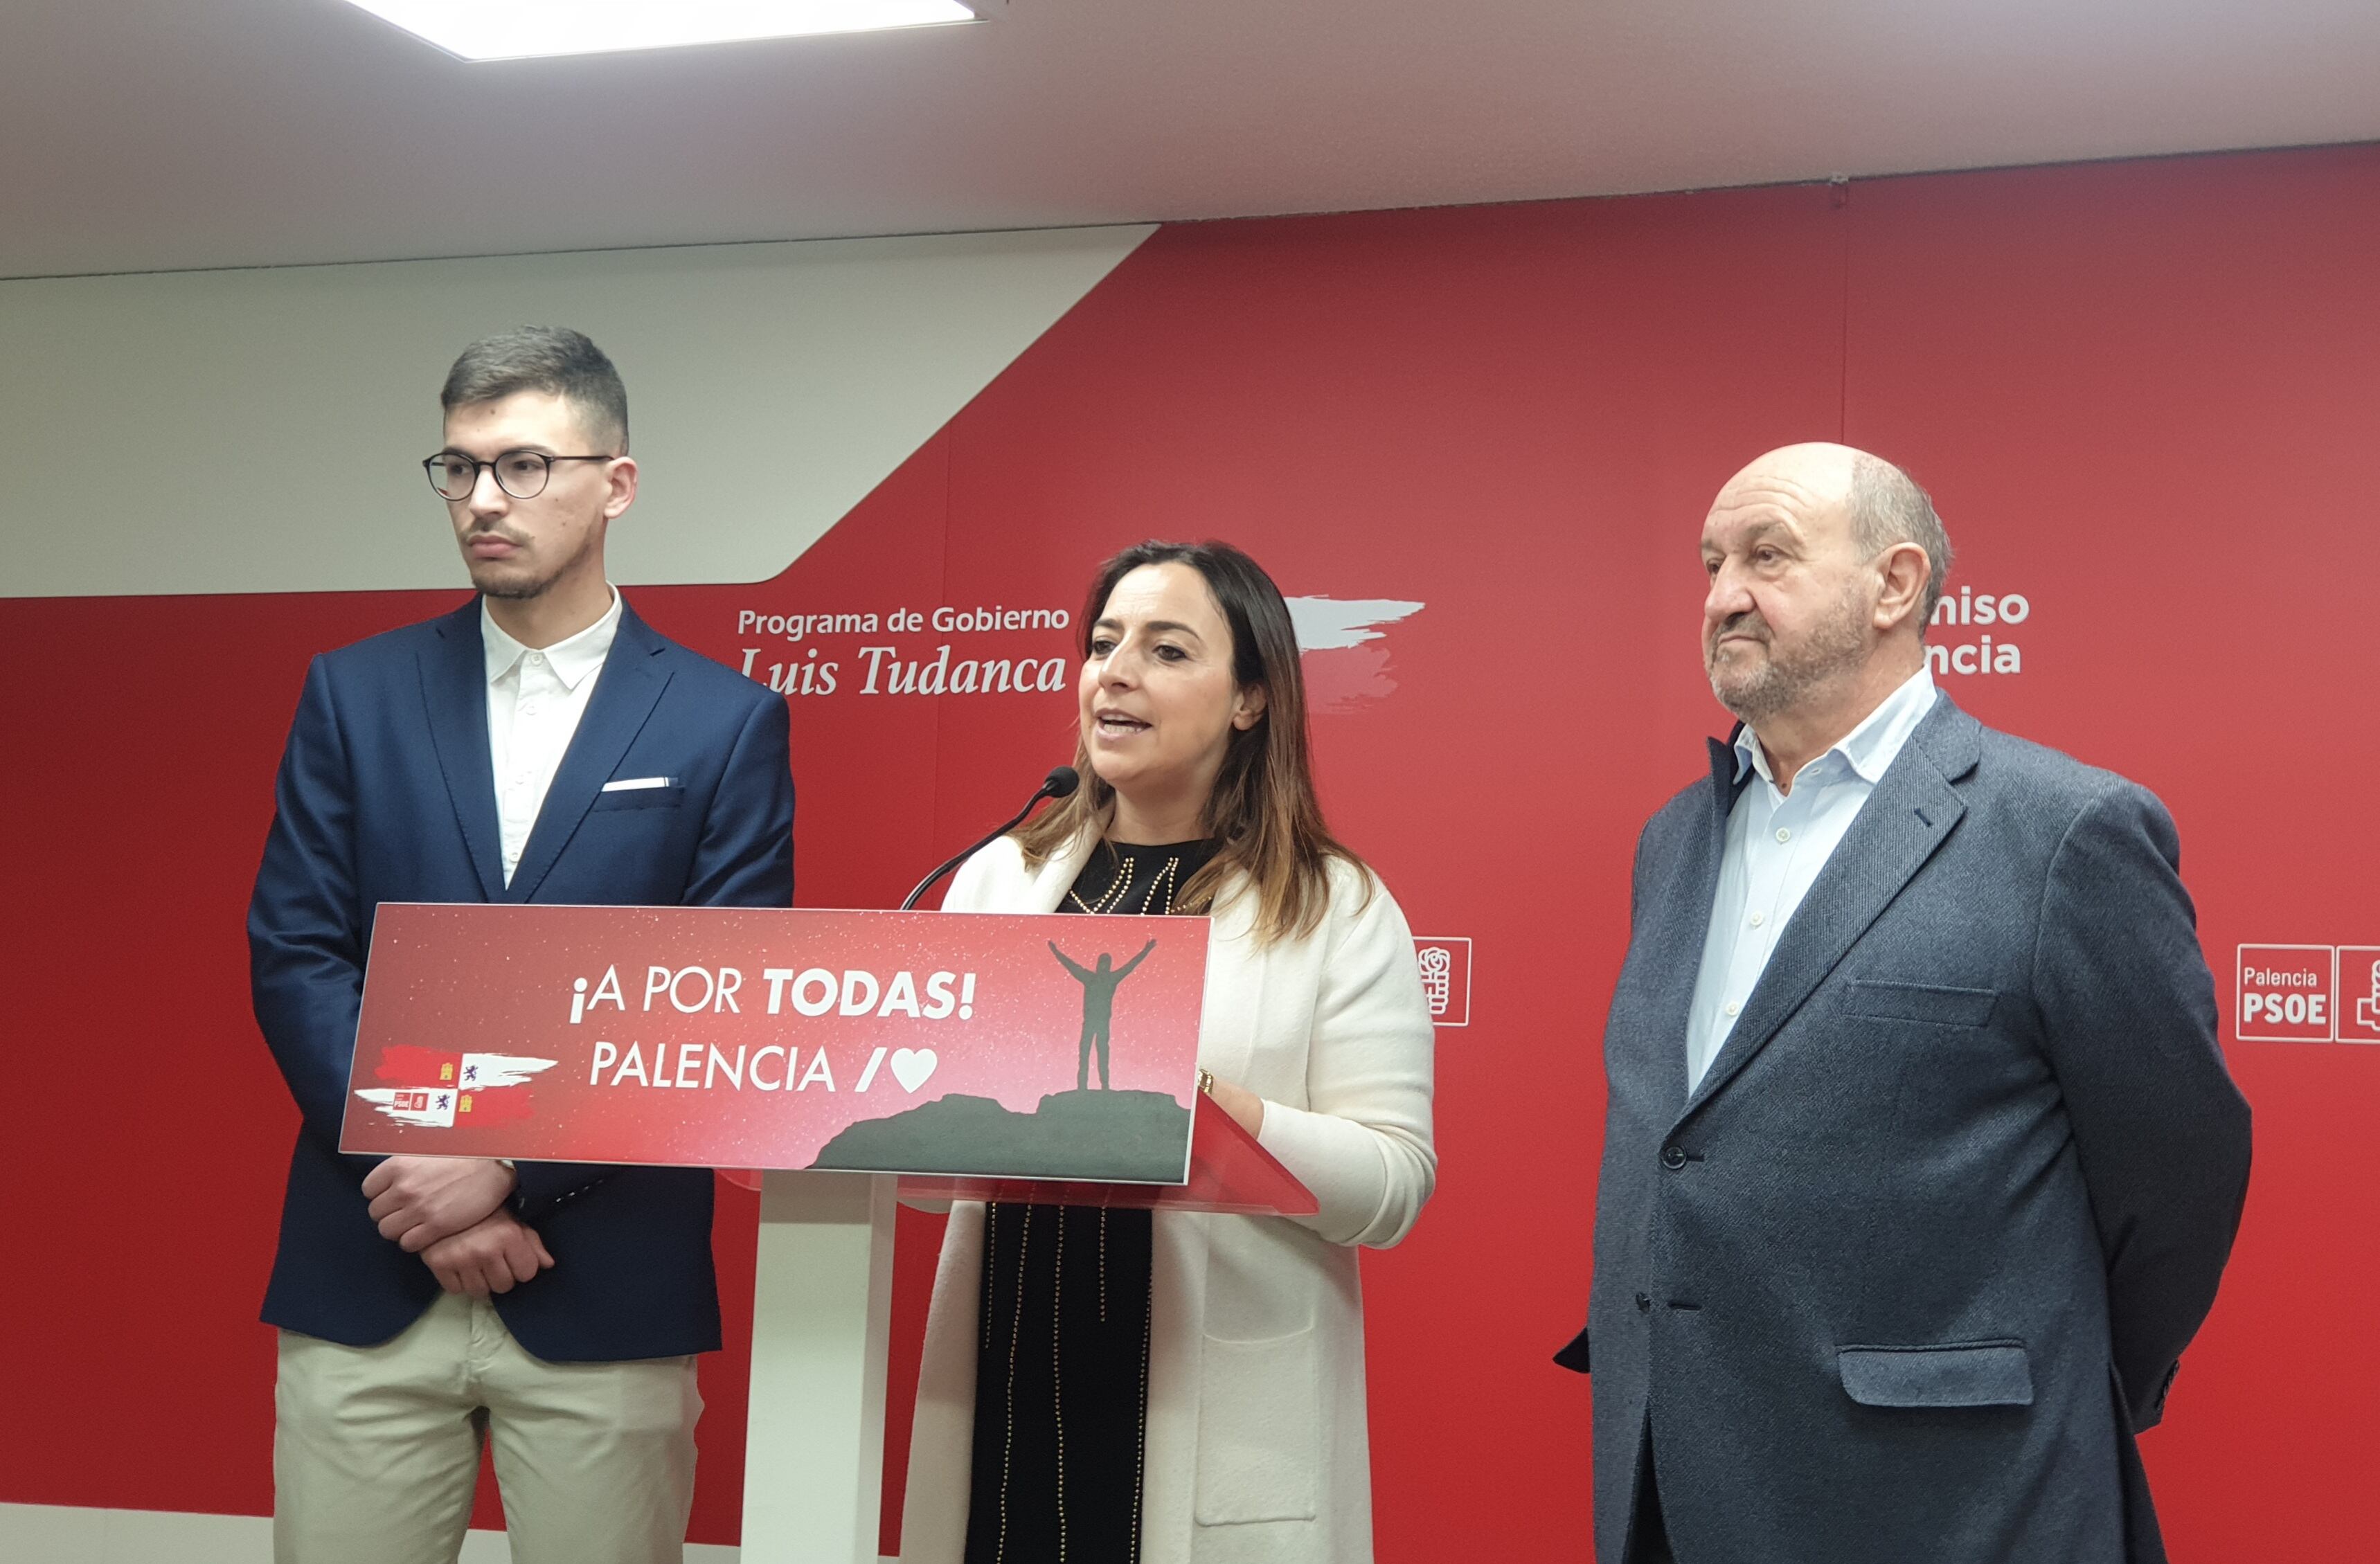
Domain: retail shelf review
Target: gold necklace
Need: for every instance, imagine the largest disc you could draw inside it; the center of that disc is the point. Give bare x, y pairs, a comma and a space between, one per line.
1114, 894
1119, 890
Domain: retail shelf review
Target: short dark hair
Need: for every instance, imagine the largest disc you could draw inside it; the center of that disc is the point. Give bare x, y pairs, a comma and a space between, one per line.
553, 359
1888, 509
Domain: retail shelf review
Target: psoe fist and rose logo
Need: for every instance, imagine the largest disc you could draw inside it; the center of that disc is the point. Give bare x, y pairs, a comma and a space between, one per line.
2308, 994
1445, 962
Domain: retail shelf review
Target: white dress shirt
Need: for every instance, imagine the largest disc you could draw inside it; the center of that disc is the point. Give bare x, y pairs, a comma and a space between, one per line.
535, 698
1777, 842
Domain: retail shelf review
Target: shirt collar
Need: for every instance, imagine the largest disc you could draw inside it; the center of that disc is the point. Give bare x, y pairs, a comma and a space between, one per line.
1868, 750
572, 660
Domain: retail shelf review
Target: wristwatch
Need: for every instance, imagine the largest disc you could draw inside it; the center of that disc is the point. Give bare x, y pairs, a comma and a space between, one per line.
1207, 1083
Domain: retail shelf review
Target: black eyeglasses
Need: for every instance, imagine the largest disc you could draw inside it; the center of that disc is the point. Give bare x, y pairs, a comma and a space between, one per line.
521, 474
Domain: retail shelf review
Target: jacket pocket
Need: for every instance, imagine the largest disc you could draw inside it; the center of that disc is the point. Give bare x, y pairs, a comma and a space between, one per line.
1259, 1431
1921, 1002
1963, 1374
640, 798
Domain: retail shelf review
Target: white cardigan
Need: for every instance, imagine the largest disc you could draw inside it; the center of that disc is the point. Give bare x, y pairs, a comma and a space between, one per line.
1257, 1447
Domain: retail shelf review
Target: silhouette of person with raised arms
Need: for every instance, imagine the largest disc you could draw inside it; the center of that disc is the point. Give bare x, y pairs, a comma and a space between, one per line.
1098, 1007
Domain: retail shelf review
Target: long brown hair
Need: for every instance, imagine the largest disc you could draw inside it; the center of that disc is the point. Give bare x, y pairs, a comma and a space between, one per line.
1263, 808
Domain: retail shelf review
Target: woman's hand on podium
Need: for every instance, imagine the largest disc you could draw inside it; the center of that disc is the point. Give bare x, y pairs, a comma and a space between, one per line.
1246, 1109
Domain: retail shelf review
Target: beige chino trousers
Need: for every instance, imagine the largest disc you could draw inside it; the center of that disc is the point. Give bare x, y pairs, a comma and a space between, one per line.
376, 1449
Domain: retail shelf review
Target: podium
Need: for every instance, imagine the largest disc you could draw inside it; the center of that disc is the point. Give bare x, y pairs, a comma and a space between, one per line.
821, 1313
857, 1048
821, 1325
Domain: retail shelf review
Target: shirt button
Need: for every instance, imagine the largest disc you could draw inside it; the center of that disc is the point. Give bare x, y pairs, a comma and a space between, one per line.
1732, 1009
1673, 1156
1759, 918
1784, 835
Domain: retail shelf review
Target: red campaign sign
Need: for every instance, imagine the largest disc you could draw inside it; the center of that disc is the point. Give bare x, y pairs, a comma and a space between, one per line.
1048, 1046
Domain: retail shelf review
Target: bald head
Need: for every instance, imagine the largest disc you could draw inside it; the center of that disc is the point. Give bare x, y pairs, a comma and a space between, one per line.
1879, 505
1816, 470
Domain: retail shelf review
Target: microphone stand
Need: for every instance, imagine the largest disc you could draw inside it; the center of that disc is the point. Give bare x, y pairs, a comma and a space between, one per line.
1057, 785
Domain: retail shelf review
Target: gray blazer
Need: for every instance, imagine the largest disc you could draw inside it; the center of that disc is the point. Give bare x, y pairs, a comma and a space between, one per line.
1903, 1278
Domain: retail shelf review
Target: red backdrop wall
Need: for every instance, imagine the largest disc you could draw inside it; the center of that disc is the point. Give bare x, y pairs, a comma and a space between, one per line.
2145, 396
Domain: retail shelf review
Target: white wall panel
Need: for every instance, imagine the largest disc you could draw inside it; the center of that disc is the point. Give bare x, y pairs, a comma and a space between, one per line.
260, 431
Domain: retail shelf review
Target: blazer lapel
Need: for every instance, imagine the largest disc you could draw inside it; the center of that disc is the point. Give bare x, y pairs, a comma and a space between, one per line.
626, 692
454, 692
1233, 1025
1676, 918
1048, 886
1914, 806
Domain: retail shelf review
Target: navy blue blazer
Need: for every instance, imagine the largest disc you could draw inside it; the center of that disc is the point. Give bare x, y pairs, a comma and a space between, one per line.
387, 793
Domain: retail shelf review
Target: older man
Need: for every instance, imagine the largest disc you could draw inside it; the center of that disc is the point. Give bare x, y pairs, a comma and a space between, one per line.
1920, 1163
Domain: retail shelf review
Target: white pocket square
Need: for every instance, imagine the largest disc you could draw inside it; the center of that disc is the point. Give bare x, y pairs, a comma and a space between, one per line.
631, 784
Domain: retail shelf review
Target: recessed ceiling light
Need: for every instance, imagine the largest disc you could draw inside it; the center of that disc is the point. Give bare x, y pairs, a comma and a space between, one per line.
514, 30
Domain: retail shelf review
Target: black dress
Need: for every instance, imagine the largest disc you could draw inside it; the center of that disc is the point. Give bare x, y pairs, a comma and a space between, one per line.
1061, 1363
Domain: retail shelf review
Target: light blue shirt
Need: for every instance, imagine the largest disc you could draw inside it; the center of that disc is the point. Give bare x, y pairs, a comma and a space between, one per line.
1777, 842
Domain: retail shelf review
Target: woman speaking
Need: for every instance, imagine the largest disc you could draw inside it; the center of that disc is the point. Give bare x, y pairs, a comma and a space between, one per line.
1102, 1386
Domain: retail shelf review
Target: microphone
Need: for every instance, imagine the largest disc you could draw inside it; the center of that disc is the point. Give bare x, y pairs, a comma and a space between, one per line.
1061, 781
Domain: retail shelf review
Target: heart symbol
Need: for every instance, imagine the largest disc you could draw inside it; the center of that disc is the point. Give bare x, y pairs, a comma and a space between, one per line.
913, 1067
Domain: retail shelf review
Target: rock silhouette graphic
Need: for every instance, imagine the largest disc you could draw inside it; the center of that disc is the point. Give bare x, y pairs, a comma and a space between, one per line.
1120, 1137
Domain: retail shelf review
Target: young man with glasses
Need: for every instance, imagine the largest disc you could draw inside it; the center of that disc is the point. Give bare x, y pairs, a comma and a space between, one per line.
540, 743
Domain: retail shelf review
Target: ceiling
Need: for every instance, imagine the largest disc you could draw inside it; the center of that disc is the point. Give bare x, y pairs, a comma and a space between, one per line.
154, 134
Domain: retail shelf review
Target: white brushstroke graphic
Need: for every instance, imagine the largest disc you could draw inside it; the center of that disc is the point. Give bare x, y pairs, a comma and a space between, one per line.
433, 1108
1345, 659
1336, 624
483, 1071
